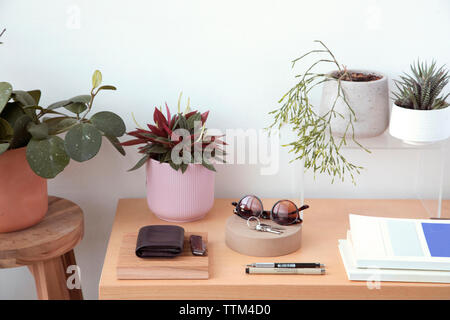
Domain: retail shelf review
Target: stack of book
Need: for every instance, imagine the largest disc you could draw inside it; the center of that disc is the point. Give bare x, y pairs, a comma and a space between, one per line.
390, 249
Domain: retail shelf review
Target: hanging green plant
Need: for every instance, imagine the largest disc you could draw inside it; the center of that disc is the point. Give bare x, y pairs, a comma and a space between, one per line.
315, 143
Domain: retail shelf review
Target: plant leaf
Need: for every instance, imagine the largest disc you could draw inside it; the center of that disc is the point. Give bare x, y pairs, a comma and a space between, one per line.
197, 117
109, 123
174, 166
107, 87
179, 101
47, 157
84, 98
59, 125
3, 147
21, 135
58, 104
96, 79
6, 131
76, 107
31, 110
116, 143
205, 116
23, 98
12, 112
36, 95
133, 142
157, 131
5, 94
208, 166
166, 157
168, 115
157, 148
159, 118
140, 163
82, 142
38, 131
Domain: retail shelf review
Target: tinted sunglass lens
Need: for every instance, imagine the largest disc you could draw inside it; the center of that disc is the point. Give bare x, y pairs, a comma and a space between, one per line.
284, 212
249, 206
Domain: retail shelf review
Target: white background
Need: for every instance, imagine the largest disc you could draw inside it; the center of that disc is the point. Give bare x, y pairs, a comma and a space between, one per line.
231, 57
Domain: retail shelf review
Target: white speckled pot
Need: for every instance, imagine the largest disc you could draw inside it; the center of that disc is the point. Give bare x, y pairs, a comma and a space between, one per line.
420, 126
369, 100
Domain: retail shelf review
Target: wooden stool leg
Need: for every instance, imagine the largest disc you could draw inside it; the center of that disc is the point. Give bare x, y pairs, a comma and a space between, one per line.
50, 279
68, 259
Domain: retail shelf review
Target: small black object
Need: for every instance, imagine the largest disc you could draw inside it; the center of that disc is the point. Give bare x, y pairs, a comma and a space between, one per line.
160, 241
197, 245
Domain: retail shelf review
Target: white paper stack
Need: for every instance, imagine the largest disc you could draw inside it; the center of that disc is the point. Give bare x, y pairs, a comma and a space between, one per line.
390, 249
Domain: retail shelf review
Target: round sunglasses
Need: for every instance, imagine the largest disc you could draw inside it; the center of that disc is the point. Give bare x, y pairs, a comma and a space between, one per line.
284, 212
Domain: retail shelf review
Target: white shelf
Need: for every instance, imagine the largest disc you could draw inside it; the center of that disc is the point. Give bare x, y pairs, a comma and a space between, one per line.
388, 142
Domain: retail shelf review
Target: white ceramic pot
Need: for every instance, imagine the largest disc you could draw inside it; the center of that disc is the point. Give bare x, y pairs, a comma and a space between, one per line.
369, 100
419, 126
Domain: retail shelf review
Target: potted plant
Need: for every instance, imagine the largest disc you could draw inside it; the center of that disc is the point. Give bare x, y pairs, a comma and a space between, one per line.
367, 92
354, 104
420, 113
179, 156
31, 150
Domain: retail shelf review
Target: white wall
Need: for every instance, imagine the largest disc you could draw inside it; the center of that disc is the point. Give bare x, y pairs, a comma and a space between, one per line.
232, 57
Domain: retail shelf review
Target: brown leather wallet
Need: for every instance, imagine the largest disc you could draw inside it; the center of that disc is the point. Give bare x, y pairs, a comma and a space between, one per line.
160, 241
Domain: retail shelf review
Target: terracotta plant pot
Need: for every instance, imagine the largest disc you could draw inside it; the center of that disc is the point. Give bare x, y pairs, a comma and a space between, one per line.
23, 194
179, 197
420, 126
368, 99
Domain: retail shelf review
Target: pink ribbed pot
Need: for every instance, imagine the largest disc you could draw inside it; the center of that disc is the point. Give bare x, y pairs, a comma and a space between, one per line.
179, 197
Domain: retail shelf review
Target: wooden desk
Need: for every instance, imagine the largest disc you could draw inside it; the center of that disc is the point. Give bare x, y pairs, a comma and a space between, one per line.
324, 223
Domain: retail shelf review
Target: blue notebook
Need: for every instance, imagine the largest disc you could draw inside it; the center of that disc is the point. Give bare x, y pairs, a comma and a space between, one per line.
438, 238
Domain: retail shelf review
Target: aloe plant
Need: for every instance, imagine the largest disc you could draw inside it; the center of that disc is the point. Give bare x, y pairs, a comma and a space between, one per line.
422, 89
23, 123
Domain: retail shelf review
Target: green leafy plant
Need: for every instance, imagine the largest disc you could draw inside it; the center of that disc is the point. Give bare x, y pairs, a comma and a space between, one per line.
315, 143
422, 88
161, 140
23, 123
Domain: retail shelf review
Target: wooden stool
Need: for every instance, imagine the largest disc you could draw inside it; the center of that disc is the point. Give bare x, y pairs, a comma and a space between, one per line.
47, 249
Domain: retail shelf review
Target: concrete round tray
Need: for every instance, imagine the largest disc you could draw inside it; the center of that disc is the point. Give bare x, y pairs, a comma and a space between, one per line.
239, 237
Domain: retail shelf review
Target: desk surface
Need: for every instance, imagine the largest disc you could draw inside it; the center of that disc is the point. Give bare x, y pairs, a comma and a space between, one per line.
324, 223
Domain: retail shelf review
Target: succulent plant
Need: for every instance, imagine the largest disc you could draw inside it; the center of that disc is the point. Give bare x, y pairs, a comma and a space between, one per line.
161, 139
422, 88
23, 123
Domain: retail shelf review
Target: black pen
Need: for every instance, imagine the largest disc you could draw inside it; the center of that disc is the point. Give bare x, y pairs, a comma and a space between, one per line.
285, 265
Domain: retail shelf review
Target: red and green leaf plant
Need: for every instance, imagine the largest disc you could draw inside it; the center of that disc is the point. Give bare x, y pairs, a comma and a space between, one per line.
161, 140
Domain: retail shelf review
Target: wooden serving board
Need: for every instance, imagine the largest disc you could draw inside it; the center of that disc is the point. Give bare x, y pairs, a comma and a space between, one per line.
184, 266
